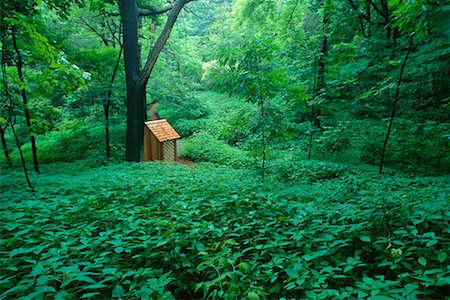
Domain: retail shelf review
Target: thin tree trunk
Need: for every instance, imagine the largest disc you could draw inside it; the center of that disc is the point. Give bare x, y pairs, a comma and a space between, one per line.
394, 106
311, 132
23, 93
5, 147
387, 19
360, 17
7, 104
22, 159
108, 103
162, 39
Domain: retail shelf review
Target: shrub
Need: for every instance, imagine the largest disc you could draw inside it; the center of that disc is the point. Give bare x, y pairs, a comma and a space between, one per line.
205, 147
292, 167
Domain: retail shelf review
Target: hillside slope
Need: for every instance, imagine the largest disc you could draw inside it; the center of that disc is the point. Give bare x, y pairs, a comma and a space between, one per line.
161, 231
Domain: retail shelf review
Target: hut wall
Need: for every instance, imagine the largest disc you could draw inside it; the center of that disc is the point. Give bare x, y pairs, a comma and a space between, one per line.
152, 147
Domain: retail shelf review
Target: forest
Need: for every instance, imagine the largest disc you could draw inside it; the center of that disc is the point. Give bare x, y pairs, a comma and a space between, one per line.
313, 163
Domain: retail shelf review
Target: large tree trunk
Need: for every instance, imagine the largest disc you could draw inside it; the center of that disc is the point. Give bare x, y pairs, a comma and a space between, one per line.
135, 98
137, 81
135, 122
23, 92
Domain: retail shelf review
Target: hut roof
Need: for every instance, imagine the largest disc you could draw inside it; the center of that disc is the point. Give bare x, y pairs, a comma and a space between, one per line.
162, 130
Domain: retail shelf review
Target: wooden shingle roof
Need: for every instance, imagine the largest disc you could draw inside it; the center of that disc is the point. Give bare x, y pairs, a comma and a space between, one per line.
162, 130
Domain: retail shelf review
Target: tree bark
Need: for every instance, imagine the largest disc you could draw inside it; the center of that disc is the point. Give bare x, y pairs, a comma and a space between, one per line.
23, 93
162, 39
5, 147
22, 158
137, 80
394, 106
135, 99
8, 98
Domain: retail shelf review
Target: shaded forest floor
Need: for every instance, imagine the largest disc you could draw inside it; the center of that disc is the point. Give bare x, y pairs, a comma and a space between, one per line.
158, 230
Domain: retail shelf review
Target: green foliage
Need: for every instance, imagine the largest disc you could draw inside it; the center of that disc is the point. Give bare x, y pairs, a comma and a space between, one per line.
413, 144
159, 231
184, 112
73, 141
205, 147
293, 167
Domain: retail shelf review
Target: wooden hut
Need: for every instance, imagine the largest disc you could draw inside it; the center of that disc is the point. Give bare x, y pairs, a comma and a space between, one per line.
160, 141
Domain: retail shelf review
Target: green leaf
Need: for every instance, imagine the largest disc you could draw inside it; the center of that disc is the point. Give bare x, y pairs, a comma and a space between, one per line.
95, 286
43, 279
348, 268
379, 297
38, 270
109, 271
61, 295
45, 289
431, 243
78, 278
20, 251
253, 296
118, 291
144, 293
367, 280
442, 257
119, 249
314, 255
422, 261
90, 295
365, 238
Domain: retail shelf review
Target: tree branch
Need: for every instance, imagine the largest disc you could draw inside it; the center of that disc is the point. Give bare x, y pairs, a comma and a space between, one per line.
162, 39
101, 35
378, 10
147, 12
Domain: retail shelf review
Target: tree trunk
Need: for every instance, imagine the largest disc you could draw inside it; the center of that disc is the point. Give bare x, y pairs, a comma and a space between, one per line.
22, 159
135, 122
387, 19
360, 17
5, 147
394, 106
135, 99
137, 81
162, 39
23, 92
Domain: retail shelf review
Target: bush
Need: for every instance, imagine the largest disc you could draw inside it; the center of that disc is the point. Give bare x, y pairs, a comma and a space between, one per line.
205, 147
292, 167
412, 145
184, 113
74, 141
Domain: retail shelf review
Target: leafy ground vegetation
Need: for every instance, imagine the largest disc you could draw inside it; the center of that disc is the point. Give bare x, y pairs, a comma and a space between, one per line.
165, 231
320, 132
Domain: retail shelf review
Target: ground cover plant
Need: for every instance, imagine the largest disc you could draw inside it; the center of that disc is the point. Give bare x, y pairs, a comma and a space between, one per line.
163, 231
317, 134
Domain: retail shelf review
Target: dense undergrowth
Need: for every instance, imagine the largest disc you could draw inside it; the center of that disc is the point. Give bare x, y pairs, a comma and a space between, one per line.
225, 130
162, 231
